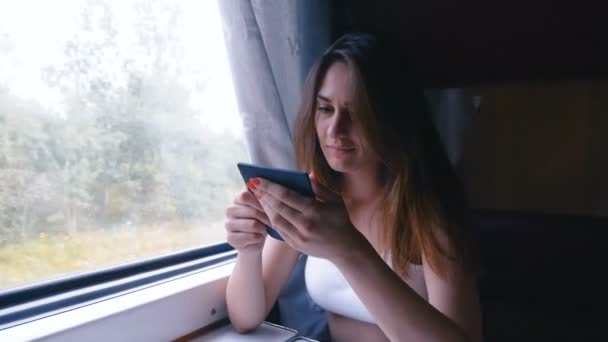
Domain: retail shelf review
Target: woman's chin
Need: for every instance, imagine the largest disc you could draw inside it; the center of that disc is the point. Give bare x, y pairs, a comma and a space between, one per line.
342, 166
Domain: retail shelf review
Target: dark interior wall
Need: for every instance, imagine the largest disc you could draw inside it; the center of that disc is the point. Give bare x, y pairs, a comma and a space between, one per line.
539, 147
538, 143
469, 42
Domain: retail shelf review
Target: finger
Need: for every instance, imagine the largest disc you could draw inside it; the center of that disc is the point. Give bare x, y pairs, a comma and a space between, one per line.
288, 232
245, 212
278, 207
289, 237
323, 193
283, 194
242, 239
278, 222
247, 198
245, 226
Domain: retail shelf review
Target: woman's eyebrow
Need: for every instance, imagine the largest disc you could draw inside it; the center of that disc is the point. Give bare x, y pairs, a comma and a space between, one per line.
327, 99
323, 98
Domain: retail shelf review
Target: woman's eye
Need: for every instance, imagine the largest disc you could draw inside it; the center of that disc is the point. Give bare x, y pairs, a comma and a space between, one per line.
324, 109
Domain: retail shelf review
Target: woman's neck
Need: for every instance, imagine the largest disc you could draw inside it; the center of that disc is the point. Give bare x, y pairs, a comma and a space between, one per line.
361, 186
361, 192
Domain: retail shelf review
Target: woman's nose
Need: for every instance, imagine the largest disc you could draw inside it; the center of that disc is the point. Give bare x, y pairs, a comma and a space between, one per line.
339, 124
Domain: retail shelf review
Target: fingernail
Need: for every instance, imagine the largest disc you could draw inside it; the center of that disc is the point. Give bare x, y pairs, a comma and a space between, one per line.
251, 185
255, 182
313, 176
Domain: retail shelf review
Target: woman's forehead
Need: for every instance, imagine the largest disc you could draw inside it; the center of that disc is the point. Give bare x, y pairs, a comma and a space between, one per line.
336, 86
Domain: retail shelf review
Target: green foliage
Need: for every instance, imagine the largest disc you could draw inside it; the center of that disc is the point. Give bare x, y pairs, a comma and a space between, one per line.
54, 255
127, 153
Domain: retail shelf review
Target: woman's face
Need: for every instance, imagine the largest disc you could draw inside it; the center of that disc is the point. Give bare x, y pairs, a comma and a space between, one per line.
342, 142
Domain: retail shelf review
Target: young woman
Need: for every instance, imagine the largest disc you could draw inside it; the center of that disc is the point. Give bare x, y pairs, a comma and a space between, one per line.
386, 235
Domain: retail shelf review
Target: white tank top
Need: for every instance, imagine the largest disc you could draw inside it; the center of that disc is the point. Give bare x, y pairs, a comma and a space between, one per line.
330, 290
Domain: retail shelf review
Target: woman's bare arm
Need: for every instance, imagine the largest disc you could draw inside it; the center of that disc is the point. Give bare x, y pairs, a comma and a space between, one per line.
256, 281
451, 314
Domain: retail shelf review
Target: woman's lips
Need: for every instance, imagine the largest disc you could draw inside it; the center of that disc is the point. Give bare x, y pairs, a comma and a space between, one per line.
341, 148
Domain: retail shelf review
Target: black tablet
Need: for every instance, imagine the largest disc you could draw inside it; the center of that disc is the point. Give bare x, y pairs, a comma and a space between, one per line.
294, 180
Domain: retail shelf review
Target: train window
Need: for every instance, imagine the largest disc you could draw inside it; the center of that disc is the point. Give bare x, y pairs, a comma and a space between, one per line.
119, 134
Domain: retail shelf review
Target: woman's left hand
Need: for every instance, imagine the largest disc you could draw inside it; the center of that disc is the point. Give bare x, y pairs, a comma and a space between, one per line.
317, 227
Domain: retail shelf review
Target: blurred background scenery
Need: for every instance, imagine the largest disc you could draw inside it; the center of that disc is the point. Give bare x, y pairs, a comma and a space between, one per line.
119, 133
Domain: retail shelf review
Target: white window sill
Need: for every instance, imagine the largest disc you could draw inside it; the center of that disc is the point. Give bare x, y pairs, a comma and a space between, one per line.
266, 332
160, 312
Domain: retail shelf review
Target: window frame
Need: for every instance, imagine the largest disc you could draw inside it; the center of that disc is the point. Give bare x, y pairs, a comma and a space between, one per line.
33, 303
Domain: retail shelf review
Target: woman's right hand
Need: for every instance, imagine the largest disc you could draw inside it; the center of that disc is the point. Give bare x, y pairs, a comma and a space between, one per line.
246, 223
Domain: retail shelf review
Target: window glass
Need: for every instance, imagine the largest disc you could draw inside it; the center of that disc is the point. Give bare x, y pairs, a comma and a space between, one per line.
119, 133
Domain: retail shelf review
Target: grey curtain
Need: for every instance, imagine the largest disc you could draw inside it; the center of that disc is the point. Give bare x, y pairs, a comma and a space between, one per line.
271, 46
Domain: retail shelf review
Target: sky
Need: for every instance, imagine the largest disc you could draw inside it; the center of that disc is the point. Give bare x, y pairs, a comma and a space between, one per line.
33, 35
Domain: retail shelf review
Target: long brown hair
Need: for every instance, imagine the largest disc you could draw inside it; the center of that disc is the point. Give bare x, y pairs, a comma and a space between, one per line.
424, 202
